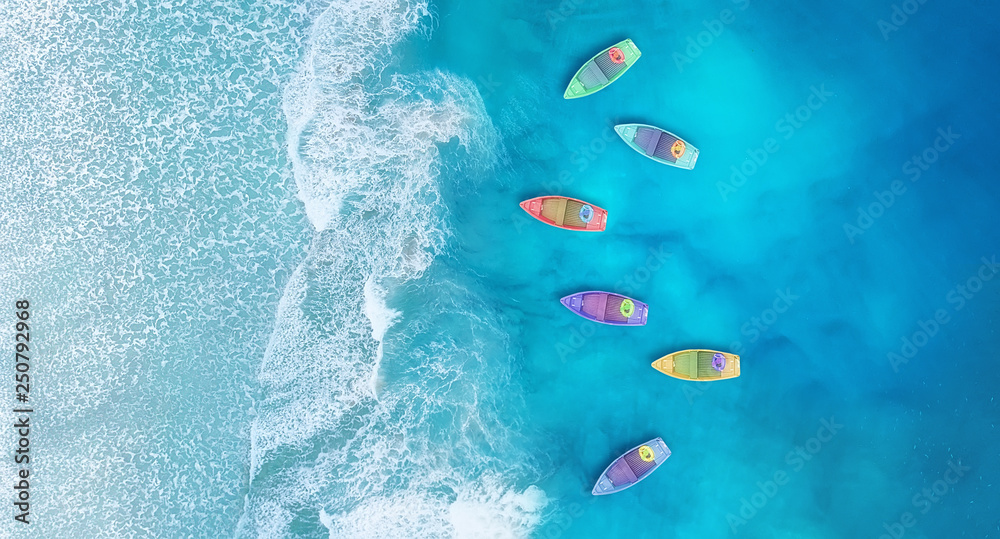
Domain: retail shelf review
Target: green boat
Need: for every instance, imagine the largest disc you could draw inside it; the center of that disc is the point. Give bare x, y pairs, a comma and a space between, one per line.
659, 145
603, 69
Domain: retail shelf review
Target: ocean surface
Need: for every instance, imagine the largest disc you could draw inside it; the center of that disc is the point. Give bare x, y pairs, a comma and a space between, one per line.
281, 285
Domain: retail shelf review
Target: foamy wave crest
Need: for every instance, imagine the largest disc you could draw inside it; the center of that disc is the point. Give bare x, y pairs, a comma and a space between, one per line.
351, 133
380, 316
365, 161
427, 458
496, 513
387, 387
484, 510
378, 154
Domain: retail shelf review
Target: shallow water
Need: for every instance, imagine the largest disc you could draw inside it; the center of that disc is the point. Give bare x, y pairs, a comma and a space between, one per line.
282, 286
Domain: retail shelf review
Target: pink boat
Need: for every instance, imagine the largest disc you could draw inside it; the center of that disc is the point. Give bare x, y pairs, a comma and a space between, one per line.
567, 213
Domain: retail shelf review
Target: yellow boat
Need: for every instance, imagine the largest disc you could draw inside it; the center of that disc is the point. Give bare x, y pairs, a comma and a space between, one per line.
699, 365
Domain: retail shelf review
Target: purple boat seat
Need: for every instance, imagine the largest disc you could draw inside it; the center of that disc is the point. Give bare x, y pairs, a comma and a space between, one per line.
621, 474
647, 139
663, 148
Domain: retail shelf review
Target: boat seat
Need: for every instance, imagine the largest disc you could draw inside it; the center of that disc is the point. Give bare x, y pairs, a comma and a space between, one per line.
663, 148
647, 139
705, 368
639, 467
592, 76
571, 214
592, 304
621, 474
612, 312
602, 307
608, 66
686, 364
554, 209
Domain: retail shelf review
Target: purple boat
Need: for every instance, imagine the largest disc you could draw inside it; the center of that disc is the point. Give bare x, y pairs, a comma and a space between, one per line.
632, 467
607, 308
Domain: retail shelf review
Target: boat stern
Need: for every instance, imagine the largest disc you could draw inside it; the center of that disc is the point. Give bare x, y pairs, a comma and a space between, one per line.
688, 160
638, 318
600, 220
632, 53
661, 450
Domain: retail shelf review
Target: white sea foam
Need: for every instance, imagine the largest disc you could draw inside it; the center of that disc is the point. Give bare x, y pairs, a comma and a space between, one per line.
143, 210
381, 317
480, 510
496, 513
366, 160
402, 465
364, 147
350, 41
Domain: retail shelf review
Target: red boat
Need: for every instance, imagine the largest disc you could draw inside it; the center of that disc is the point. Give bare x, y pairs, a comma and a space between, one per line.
568, 213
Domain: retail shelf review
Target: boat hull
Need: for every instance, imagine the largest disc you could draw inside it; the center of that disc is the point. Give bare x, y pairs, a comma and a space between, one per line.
565, 213
630, 468
601, 70
696, 365
658, 144
605, 308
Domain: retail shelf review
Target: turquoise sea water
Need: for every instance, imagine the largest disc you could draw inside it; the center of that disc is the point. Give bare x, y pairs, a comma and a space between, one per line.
282, 288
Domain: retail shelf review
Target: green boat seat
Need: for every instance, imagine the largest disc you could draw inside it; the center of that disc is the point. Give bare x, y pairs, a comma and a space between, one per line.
593, 77
705, 368
686, 364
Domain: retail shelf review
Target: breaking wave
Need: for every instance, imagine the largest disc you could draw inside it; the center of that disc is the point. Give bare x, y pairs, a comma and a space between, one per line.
388, 408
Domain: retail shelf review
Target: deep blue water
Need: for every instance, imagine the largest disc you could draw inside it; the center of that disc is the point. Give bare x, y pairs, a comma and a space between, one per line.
284, 288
